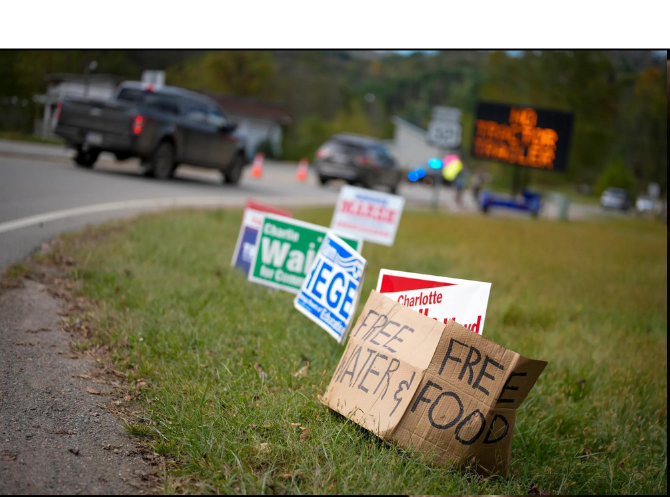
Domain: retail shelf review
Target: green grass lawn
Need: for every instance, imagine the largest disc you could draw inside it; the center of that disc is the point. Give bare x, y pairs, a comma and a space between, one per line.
589, 298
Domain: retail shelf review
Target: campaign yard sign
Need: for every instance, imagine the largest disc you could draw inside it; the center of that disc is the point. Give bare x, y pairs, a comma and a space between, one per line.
435, 387
438, 297
372, 215
329, 294
285, 251
252, 219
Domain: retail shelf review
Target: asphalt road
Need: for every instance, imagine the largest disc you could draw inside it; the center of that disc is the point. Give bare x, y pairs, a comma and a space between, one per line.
42, 194
39, 180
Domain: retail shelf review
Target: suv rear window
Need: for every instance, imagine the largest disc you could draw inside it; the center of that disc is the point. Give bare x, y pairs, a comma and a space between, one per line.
342, 147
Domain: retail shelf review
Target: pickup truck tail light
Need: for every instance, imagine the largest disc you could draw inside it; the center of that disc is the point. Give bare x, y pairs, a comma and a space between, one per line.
59, 110
138, 124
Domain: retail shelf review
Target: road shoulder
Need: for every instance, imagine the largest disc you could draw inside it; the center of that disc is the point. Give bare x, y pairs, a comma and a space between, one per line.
59, 430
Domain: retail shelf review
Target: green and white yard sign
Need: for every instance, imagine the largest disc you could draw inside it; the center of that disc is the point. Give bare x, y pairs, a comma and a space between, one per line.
286, 250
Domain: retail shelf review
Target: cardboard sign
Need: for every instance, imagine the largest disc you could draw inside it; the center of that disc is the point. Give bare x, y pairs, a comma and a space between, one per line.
438, 388
330, 292
286, 250
437, 297
252, 220
372, 215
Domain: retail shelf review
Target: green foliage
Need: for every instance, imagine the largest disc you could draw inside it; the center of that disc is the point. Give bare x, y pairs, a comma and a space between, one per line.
235, 72
617, 97
176, 315
267, 148
645, 127
617, 175
312, 132
22, 72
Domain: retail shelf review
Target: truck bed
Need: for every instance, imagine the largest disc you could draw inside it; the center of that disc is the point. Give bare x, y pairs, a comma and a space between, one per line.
81, 118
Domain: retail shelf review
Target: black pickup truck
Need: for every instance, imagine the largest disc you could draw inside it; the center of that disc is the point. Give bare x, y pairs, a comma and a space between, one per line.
163, 126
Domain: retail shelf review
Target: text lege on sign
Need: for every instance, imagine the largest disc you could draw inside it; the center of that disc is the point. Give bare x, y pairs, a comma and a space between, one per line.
437, 388
286, 250
330, 292
252, 219
372, 215
438, 297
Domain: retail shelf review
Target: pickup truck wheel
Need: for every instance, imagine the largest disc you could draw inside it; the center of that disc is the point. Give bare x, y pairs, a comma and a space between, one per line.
234, 173
86, 158
162, 162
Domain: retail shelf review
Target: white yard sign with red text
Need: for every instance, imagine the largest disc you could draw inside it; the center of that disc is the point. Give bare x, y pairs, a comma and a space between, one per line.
369, 214
437, 297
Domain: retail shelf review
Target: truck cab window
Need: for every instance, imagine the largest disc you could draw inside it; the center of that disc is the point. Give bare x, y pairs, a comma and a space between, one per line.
131, 95
162, 103
216, 118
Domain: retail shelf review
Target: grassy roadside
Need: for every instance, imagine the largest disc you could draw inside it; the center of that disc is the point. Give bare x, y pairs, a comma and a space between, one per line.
590, 298
24, 137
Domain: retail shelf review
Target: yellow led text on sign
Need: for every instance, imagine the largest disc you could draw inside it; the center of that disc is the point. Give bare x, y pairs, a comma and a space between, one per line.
519, 142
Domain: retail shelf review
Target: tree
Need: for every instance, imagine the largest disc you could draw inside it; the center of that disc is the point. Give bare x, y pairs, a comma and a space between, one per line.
234, 72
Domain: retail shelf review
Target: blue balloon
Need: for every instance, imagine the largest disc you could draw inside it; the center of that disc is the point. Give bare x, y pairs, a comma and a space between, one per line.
421, 172
413, 176
435, 163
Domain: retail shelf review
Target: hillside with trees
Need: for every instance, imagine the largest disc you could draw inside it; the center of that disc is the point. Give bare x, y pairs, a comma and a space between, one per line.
617, 98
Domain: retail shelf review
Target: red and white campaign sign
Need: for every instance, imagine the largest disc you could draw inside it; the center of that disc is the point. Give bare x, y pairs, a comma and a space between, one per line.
368, 214
438, 297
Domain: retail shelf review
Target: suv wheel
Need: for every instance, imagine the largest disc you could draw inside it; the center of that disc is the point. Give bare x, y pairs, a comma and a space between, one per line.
234, 172
162, 163
86, 158
366, 183
323, 180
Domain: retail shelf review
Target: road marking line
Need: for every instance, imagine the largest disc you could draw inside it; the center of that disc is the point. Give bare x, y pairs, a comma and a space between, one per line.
126, 204
158, 203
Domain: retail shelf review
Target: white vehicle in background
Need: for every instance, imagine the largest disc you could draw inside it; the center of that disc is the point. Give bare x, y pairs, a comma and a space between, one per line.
645, 205
615, 198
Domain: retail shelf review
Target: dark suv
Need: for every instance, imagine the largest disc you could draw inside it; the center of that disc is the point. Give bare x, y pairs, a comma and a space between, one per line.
163, 126
357, 160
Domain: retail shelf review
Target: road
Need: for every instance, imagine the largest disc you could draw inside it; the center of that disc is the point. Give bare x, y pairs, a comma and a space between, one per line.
42, 194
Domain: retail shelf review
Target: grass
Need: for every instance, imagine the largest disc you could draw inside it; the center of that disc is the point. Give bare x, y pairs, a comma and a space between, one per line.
24, 137
590, 298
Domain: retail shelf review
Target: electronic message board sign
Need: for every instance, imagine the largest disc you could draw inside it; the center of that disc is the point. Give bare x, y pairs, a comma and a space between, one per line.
524, 136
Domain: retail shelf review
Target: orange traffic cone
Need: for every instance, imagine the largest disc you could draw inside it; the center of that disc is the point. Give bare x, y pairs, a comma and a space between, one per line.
301, 174
257, 167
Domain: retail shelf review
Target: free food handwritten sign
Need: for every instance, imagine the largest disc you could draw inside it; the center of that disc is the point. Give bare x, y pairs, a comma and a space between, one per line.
438, 388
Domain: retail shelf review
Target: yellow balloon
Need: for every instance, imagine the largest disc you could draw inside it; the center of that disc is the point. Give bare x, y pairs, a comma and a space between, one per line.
451, 170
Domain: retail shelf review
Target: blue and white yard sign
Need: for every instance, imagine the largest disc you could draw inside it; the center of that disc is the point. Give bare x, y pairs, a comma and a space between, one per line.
330, 292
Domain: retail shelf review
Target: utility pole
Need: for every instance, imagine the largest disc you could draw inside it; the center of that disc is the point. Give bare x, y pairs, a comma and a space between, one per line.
444, 132
90, 67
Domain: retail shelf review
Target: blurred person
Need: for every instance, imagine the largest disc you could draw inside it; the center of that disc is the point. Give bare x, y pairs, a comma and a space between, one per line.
460, 183
477, 183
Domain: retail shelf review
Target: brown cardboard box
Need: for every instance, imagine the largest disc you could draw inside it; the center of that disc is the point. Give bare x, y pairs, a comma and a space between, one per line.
438, 388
